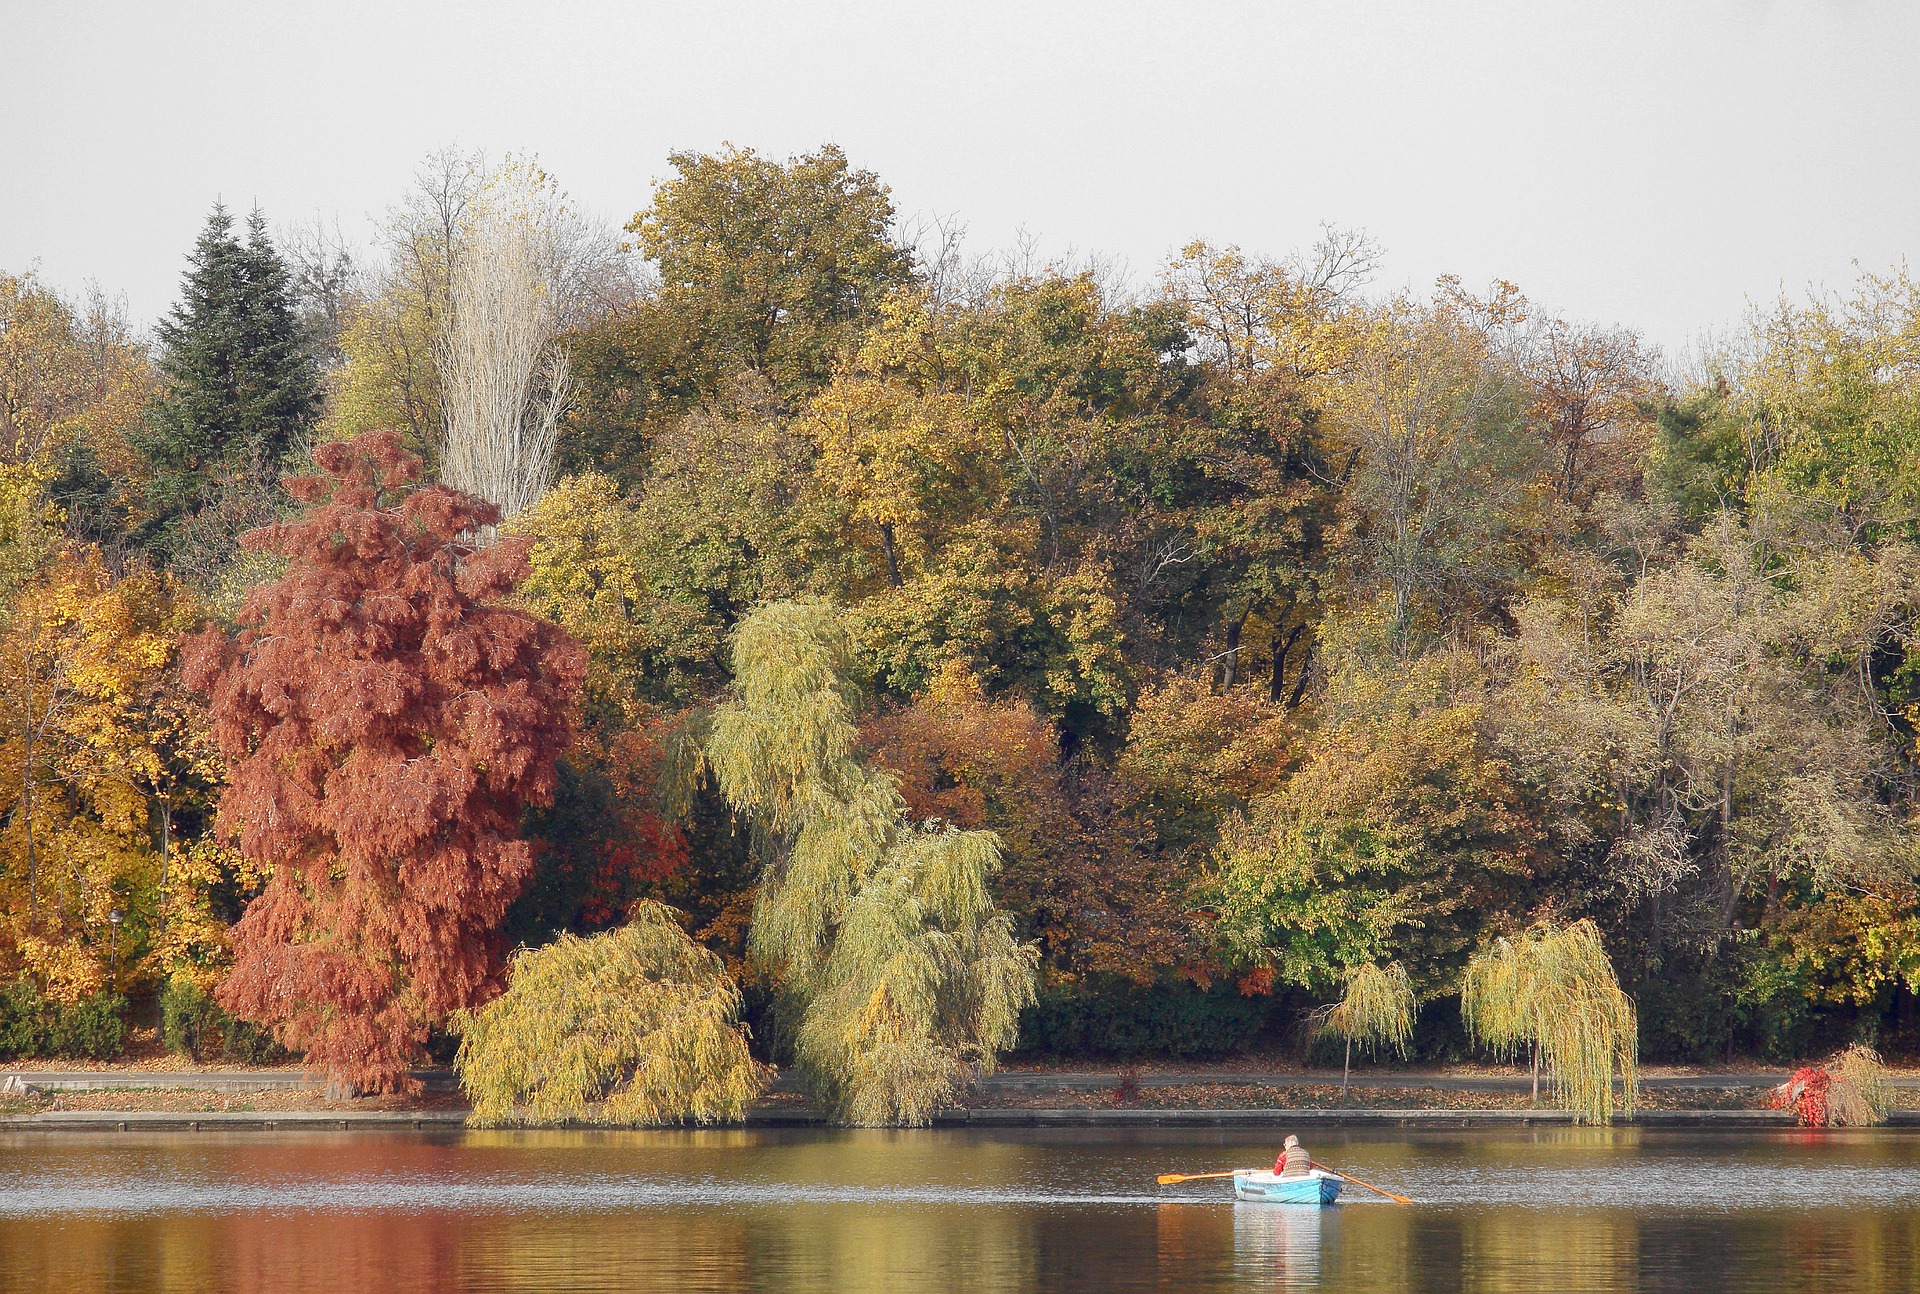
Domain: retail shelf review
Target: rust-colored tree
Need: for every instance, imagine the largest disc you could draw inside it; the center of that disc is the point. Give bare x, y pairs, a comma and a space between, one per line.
387, 720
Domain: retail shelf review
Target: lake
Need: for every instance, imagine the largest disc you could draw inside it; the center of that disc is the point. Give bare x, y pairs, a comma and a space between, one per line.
797, 1211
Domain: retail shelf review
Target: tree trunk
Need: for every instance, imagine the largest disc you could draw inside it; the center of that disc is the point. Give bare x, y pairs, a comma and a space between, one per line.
1282, 647
1726, 845
893, 561
1230, 659
166, 851
1300, 683
1536, 1073
26, 791
1570, 464
1346, 1072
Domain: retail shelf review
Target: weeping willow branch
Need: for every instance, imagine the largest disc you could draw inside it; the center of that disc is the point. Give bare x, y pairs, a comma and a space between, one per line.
910, 977
632, 1026
1376, 1009
1554, 990
1862, 1091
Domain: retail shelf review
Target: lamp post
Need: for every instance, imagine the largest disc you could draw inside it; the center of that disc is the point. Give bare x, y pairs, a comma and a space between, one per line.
113, 955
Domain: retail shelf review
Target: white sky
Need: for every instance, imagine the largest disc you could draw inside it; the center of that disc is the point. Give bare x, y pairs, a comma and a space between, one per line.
1650, 162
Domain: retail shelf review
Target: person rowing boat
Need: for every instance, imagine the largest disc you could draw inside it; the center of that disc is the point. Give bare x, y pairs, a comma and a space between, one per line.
1293, 1161
1295, 1179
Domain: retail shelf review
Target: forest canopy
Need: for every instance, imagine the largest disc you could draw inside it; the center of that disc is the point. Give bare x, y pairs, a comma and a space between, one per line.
964, 653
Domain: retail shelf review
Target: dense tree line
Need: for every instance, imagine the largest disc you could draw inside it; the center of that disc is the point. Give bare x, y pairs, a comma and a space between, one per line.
1121, 667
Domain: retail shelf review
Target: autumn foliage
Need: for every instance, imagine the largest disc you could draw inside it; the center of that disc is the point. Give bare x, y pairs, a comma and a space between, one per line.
1851, 1090
387, 721
1226, 638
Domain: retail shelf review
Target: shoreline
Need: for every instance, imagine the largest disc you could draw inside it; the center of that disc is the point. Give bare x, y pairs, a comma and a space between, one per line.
1251, 1093
97, 1076
123, 1121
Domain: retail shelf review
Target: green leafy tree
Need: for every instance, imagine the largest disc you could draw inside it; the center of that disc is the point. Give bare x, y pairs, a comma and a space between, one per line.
1429, 417
998, 478
1833, 401
768, 265
74, 382
239, 399
885, 931
1700, 459
1402, 832
730, 518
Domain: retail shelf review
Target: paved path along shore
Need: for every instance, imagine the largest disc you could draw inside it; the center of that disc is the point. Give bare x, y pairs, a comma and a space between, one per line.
1100, 1080
1019, 1082
1003, 1082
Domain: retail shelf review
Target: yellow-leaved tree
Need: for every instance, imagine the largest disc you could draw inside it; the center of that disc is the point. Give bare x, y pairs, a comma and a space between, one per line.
97, 747
1552, 991
632, 1026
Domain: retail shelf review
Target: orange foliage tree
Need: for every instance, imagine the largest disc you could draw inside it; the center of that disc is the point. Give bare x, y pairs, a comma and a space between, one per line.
1077, 871
387, 722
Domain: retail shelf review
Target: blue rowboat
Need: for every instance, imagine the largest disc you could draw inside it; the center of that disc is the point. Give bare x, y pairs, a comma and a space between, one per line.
1315, 1188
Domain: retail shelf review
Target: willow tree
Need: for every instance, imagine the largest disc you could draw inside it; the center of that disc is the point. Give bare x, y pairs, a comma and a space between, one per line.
907, 974
636, 1025
1377, 1008
1553, 991
1862, 1091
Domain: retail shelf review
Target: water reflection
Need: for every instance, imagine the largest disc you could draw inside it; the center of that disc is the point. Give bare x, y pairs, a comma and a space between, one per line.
1579, 1251
907, 1212
1278, 1245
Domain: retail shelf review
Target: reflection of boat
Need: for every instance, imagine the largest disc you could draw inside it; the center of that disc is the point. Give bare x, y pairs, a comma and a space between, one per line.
1279, 1248
1316, 1188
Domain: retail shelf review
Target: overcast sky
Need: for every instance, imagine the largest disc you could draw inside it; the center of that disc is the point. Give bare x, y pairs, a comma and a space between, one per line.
1651, 163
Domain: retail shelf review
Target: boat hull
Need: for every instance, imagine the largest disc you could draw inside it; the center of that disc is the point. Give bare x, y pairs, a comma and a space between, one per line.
1319, 1188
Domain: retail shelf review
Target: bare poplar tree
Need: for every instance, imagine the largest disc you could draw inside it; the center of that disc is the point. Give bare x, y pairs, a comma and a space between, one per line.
503, 381
523, 268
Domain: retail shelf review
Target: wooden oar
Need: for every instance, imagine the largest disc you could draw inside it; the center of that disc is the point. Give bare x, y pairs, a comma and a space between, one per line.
1397, 1199
1168, 1179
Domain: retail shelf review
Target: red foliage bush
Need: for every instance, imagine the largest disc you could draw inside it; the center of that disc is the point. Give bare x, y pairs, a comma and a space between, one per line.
1806, 1095
386, 722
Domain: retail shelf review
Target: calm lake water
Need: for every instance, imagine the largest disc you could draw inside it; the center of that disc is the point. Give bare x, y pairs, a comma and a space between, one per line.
1574, 1210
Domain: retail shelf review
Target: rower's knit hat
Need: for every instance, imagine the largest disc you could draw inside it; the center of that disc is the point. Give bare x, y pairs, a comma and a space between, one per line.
1292, 1141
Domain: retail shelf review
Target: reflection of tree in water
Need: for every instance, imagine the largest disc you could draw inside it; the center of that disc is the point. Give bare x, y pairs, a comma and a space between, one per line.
1190, 1235
1825, 1248
862, 1246
725, 1219
858, 1249
704, 1249
1388, 1250
316, 1254
241, 1253
1513, 1249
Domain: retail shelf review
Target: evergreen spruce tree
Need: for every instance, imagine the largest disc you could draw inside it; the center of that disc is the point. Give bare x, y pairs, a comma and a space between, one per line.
241, 393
